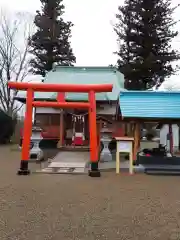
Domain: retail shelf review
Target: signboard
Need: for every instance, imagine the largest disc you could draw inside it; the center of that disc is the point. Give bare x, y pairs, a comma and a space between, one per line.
124, 146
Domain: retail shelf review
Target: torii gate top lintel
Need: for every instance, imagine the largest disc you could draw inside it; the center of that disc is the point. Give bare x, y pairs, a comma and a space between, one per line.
44, 87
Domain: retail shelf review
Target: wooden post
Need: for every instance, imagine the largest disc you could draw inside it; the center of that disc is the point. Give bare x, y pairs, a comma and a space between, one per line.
99, 137
27, 131
61, 98
131, 168
129, 129
171, 144
61, 139
94, 172
100, 128
136, 139
123, 129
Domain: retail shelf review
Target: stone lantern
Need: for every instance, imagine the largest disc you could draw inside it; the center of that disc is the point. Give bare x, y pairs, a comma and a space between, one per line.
106, 138
35, 152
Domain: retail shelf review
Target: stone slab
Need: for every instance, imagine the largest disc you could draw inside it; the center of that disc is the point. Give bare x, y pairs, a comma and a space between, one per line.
68, 162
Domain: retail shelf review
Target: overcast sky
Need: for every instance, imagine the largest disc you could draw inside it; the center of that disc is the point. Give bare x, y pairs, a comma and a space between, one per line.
93, 39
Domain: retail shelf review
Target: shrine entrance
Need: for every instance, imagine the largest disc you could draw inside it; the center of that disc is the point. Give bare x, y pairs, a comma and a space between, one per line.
60, 103
76, 128
78, 138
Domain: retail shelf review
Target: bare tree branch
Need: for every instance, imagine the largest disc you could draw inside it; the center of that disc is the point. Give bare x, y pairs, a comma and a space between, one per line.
14, 63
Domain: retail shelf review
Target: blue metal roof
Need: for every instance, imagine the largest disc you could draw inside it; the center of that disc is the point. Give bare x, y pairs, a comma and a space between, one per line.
150, 104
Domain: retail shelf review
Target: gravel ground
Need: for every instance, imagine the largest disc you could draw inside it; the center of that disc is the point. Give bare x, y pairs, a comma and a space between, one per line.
66, 207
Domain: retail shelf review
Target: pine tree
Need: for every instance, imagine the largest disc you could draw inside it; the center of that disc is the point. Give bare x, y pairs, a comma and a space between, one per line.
145, 32
50, 44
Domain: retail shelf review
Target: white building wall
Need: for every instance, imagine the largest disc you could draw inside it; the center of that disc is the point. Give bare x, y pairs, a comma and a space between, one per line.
47, 110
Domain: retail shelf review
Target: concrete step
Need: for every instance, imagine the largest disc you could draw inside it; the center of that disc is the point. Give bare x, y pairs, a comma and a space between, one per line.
68, 162
66, 167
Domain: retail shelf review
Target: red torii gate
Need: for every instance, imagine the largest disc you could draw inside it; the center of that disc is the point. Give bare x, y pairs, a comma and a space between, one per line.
61, 103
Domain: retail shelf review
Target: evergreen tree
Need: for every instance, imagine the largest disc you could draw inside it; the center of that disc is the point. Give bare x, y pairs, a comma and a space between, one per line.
50, 44
144, 31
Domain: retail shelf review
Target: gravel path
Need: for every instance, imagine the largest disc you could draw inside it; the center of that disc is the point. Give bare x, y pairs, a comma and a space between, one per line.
66, 207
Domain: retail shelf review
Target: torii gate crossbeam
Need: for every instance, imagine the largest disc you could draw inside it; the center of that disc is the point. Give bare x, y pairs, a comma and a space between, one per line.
60, 103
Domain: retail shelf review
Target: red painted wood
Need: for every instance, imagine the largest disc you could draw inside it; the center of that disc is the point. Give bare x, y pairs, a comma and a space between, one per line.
44, 87
61, 104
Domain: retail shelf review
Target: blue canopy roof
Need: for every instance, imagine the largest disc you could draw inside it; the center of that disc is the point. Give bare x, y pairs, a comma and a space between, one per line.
150, 104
